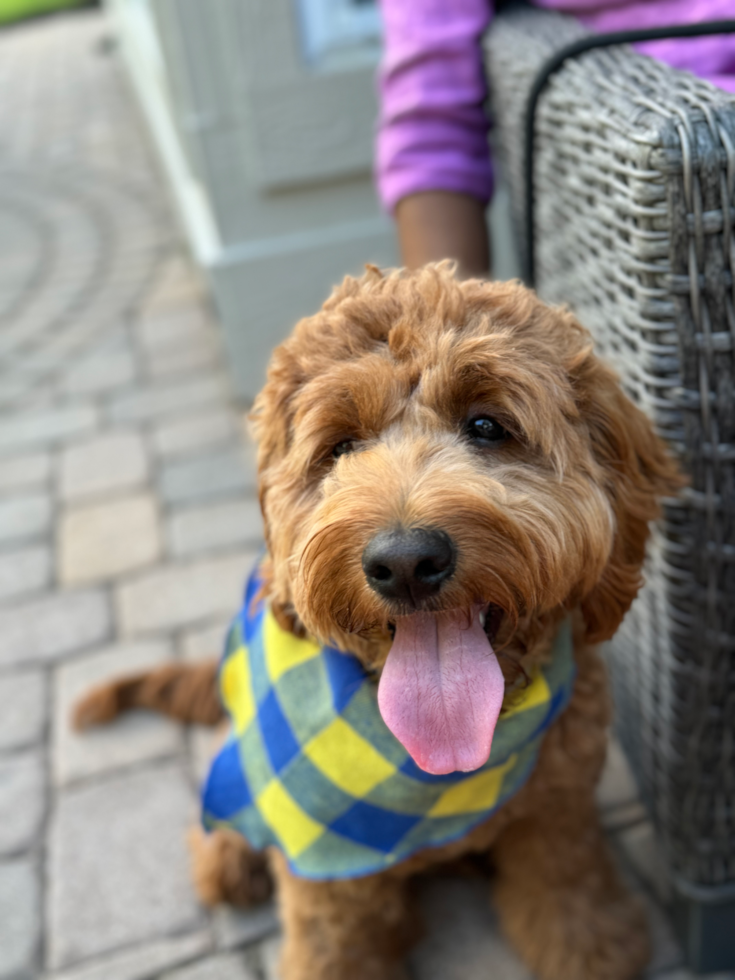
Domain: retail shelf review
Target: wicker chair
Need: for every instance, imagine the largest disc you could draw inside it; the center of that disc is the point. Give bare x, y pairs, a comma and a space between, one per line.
634, 175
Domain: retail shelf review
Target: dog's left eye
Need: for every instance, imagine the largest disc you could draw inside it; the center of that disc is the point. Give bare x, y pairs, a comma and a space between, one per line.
342, 448
484, 429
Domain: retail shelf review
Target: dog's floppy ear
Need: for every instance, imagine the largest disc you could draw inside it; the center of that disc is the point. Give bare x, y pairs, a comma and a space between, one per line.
270, 424
270, 420
637, 473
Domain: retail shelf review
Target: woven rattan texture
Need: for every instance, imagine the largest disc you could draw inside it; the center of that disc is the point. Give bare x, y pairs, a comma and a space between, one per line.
635, 230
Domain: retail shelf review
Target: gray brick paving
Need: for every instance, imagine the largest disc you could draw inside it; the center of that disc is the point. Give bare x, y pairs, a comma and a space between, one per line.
179, 286
107, 539
24, 571
234, 928
24, 517
20, 920
22, 798
166, 400
215, 527
180, 595
117, 864
24, 471
23, 715
112, 388
110, 463
193, 357
194, 433
29, 430
137, 737
162, 332
111, 366
141, 961
202, 744
49, 628
218, 474
203, 641
227, 966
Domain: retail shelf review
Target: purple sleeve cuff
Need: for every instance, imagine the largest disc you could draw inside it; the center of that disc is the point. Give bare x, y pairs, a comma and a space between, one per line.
433, 127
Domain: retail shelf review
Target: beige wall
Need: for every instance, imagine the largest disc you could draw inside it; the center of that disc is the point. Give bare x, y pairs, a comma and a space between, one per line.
269, 160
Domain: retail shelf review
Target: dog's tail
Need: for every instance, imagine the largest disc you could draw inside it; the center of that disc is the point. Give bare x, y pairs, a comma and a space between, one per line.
186, 692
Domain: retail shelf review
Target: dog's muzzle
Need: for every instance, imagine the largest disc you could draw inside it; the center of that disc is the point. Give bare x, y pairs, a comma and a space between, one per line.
409, 565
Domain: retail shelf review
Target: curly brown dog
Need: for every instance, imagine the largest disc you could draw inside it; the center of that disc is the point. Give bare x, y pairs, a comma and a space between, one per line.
443, 463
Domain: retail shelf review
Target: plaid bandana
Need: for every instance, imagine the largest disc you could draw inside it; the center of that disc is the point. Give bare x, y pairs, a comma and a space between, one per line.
311, 768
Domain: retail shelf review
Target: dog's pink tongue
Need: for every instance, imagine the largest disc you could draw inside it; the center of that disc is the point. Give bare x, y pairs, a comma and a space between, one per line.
441, 691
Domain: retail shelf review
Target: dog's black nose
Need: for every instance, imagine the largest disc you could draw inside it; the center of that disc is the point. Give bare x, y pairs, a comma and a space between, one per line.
410, 564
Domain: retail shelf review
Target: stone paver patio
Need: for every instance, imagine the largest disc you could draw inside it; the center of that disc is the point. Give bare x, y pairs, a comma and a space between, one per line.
128, 521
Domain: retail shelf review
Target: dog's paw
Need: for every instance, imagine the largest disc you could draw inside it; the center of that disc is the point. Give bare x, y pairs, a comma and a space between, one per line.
575, 935
226, 870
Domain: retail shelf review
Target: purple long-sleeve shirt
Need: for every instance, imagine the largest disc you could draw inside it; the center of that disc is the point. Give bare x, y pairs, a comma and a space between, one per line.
433, 128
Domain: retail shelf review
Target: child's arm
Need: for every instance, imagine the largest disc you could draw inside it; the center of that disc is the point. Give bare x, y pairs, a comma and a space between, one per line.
435, 225
433, 165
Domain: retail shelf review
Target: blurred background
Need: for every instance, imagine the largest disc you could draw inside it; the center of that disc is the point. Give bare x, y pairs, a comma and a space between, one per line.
179, 183
264, 118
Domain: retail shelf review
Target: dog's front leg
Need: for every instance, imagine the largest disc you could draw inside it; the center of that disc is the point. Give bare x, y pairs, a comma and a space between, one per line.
357, 929
559, 897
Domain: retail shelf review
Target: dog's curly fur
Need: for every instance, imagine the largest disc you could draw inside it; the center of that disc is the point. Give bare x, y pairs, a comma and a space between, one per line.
552, 522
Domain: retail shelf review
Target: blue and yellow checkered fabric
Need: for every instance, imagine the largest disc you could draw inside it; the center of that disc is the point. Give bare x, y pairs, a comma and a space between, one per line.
311, 768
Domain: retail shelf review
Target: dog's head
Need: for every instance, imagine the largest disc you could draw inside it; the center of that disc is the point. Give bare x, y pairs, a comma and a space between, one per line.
439, 461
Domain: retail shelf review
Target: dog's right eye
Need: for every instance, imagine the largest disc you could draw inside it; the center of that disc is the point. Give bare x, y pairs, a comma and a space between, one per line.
486, 430
342, 448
